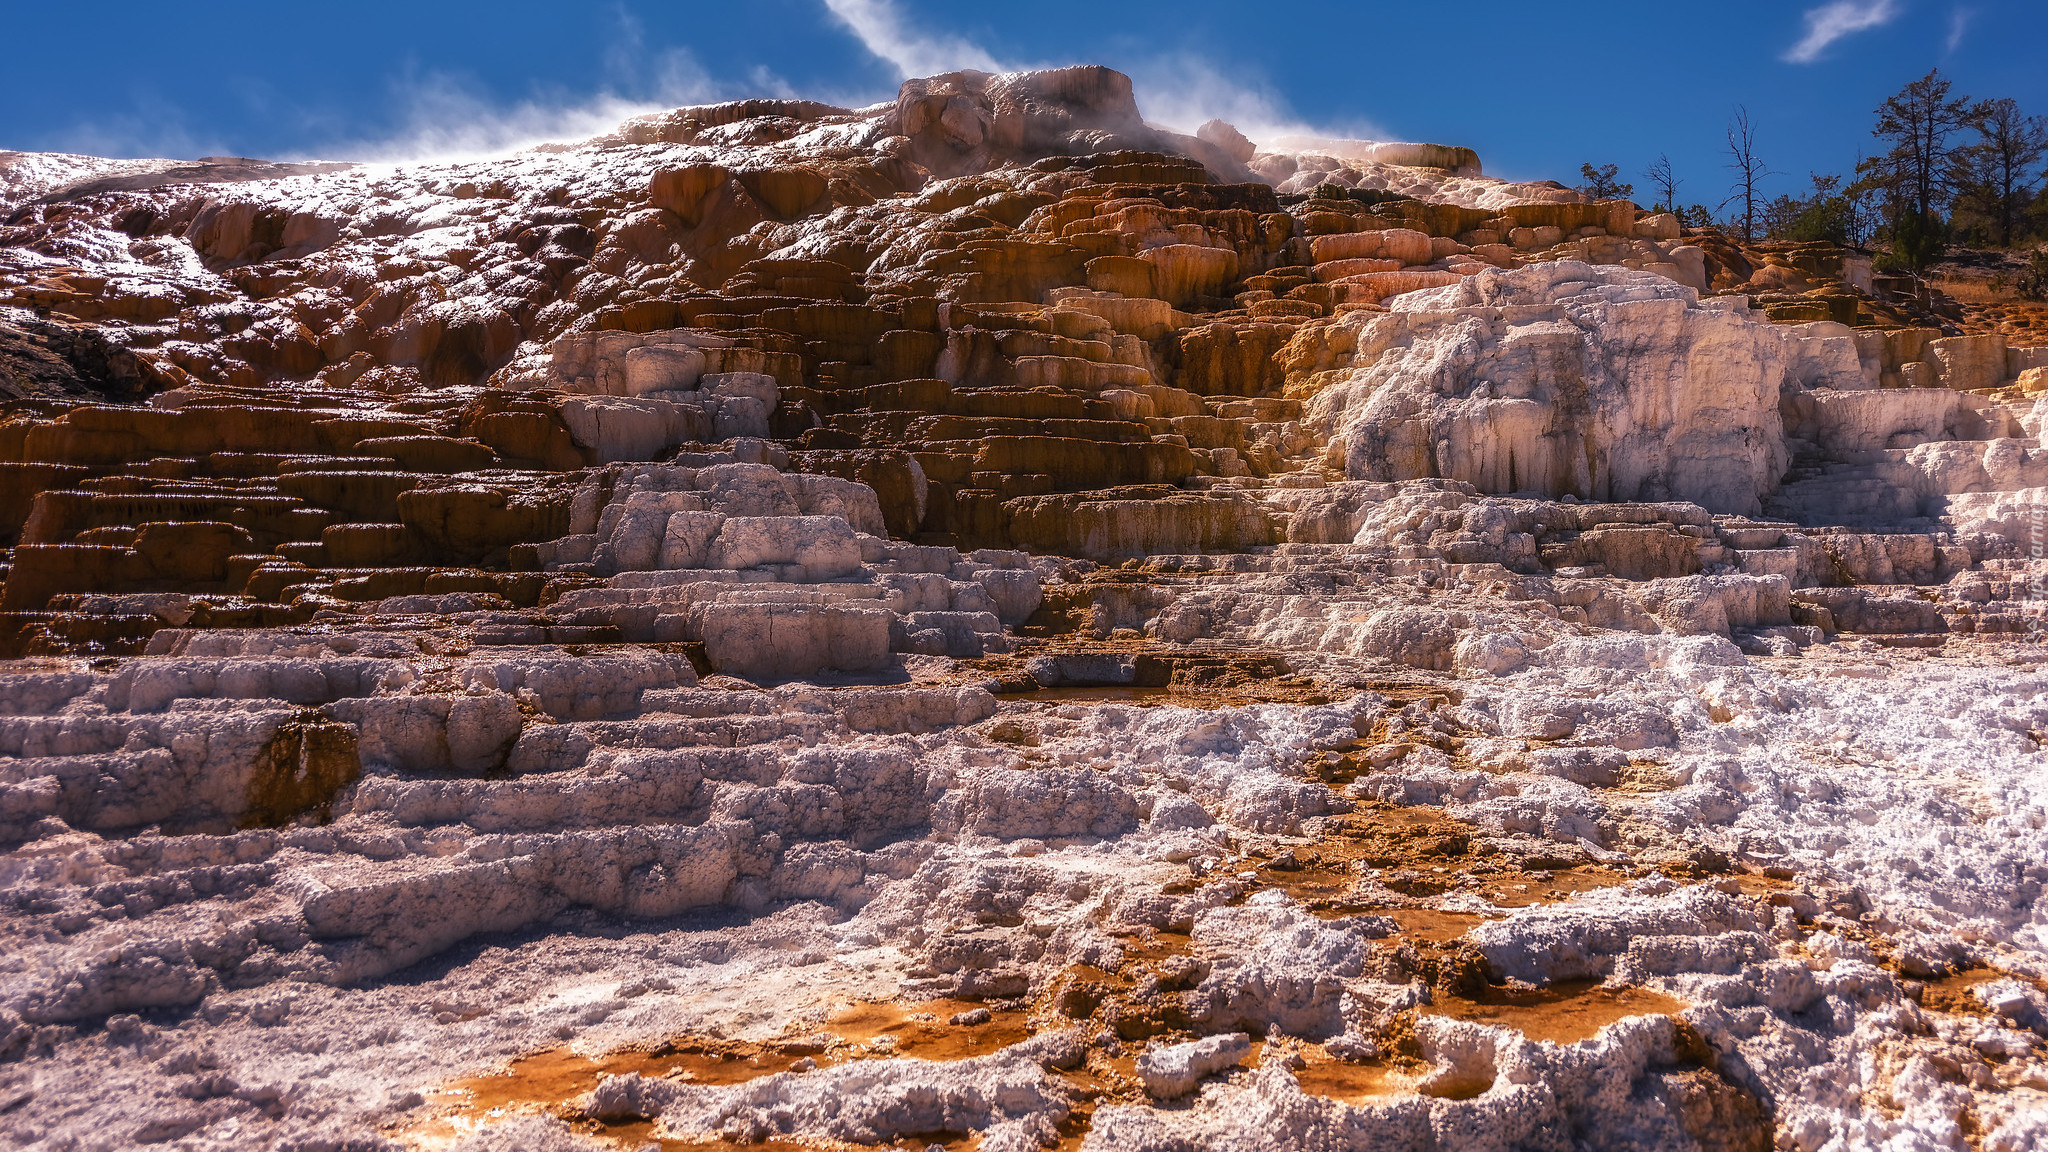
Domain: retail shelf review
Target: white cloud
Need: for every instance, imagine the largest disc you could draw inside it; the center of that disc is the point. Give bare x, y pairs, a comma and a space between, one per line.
1958, 25
160, 131
444, 117
1183, 91
1830, 22
447, 120
765, 81
912, 52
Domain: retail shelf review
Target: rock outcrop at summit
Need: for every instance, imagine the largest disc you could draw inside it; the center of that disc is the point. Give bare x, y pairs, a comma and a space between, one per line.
961, 123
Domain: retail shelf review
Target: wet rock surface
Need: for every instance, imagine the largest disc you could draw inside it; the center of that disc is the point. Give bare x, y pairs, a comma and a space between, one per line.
979, 621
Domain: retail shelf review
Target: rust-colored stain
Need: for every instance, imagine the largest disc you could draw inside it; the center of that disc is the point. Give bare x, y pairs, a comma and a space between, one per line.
1565, 1012
1323, 1076
553, 1081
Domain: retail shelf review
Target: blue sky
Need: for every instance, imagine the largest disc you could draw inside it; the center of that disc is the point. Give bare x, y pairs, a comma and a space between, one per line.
1535, 89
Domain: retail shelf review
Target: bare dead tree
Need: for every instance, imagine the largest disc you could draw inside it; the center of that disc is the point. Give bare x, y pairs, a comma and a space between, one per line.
1665, 181
1748, 168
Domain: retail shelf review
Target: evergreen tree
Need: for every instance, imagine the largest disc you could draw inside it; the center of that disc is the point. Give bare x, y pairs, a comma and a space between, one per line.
1603, 183
1831, 213
1996, 178
1916, 171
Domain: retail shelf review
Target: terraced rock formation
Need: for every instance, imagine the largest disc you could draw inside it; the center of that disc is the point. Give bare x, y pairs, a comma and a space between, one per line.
980, 621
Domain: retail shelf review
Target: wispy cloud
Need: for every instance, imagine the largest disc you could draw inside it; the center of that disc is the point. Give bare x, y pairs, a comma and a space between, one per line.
765, 81
1830, 22
881, 28
153, 125
658, 74
1179, 90
1958, 27
1182, 90
447, 117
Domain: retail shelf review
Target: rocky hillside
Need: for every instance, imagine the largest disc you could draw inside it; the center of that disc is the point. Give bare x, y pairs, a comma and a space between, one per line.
980, 621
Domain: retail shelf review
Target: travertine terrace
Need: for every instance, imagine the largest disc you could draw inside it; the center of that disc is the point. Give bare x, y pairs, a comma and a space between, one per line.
980, 621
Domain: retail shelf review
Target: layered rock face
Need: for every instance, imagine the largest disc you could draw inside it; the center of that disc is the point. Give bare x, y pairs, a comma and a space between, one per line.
980, 620
1557, 379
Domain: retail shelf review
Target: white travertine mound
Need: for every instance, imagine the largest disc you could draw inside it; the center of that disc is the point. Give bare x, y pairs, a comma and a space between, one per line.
1566, 379
778, 574
1174, 1070
1434, 173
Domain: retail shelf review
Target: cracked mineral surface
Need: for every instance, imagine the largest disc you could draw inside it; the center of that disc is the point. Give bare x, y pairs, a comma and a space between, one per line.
980, 622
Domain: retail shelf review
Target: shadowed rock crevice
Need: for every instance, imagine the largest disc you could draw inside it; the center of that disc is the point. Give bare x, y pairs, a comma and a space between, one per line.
300, 773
